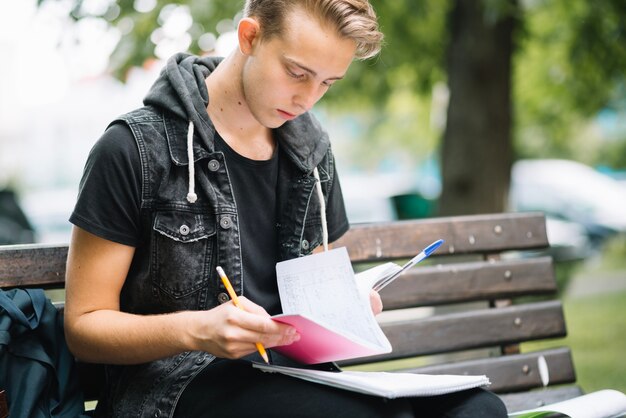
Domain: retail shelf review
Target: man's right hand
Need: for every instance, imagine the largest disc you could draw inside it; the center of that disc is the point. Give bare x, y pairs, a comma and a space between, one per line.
230, 332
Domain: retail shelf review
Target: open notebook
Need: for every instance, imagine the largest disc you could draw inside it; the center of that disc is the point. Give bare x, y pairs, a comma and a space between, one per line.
386, 384
321, 297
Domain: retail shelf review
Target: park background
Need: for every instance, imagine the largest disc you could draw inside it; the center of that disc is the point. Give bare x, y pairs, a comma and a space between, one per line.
473, 106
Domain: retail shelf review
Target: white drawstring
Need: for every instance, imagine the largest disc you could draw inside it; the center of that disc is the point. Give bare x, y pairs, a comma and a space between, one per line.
191, 196
318, 186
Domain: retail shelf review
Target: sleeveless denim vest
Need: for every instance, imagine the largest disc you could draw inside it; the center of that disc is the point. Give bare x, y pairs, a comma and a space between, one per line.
182, 243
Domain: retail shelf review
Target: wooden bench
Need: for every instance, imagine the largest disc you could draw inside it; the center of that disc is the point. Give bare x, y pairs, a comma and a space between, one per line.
465, 310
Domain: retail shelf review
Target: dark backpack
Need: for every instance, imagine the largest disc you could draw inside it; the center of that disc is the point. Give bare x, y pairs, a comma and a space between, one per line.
37, 370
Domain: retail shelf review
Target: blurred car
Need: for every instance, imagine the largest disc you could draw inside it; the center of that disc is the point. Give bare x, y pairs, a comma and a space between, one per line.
569, 241
570, 191
367, 196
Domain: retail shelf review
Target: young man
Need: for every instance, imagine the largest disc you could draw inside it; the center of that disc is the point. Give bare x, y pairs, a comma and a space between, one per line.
221, 167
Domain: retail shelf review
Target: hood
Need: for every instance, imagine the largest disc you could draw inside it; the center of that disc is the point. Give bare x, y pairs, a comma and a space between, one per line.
180, 90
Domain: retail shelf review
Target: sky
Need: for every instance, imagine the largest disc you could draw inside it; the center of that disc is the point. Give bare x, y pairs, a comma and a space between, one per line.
55, 94
39, 74
55, 101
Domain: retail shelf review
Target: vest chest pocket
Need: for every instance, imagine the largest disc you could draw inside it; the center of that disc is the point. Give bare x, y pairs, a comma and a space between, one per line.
312, 235
182, 254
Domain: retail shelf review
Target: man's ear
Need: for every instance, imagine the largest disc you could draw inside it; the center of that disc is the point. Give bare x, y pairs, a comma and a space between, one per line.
248, 33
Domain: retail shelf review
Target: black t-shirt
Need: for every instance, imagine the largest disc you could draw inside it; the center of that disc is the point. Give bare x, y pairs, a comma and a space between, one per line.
109, 197
109, 203
254, 186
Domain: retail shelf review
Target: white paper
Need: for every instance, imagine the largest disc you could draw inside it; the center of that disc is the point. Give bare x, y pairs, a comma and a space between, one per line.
386, 384
601, 404
366, 279
322, 287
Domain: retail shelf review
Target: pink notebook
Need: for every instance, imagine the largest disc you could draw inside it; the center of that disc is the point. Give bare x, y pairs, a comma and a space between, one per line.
319, 344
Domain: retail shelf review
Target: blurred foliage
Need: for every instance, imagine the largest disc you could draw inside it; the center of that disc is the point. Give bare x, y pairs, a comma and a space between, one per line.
412, 58
569, 64
139, 23
393, 90
613, 256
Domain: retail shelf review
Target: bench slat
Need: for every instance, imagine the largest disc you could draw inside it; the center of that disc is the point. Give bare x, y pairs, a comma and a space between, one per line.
528, 400
32, 265
463, 235
512, 373
463, 282
474, 329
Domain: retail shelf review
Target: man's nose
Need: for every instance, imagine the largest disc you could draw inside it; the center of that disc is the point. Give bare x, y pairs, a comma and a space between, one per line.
308, 95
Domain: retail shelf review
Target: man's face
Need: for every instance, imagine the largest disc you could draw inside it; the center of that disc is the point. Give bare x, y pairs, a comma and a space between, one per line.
286, 75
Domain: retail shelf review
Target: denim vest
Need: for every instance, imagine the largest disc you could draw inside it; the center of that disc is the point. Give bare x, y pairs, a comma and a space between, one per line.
182, 243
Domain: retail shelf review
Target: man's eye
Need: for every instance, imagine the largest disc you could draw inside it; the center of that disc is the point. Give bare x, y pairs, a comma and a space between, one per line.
295, 75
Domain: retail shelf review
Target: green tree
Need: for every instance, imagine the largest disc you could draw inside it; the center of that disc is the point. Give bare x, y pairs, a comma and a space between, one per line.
571, 63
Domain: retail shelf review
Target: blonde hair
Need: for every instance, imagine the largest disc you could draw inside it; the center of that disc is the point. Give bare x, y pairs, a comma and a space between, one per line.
353, 19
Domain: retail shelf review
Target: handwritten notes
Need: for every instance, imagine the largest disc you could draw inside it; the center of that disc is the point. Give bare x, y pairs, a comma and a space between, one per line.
322, 288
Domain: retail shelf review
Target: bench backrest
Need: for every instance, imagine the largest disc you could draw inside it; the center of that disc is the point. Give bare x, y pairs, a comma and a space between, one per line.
465, 310
487, 289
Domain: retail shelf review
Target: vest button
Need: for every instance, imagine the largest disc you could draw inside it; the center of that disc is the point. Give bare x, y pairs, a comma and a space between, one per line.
214, 165
184, 229
226, 222
222, 298
305, 244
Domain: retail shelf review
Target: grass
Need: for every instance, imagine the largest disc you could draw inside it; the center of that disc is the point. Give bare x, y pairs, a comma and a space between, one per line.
596, 321
597, 338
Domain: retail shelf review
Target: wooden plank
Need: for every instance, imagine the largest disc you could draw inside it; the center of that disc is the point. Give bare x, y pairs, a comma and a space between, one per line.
512, 373
527, 400
472, 329
464, 282
32, 265
463, 235
4, 405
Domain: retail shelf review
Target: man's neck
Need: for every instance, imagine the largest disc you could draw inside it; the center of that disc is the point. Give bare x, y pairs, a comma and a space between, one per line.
231, 115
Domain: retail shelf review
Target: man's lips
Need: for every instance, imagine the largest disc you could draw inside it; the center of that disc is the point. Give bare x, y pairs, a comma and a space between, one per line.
286, 115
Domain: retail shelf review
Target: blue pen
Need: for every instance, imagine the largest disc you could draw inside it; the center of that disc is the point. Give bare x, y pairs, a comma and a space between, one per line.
422, 255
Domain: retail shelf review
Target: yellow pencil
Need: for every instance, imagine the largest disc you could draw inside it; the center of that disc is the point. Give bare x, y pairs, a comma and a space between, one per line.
233, 296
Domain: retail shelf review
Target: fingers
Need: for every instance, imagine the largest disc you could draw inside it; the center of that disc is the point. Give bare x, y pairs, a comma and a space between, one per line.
261, 328
376, 302
268, 331
234, 335
231, 332
252, 307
